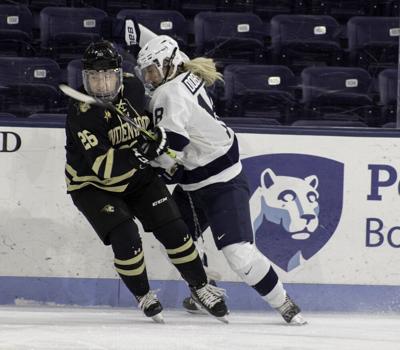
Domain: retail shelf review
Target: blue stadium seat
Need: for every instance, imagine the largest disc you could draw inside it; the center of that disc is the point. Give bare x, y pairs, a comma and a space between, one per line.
115, 6
74, 72
229, 37
259, 91
373, 42
29, 85
189, 8
342, 10
166, 22
388, 80
387, 8
338, 93
303, 40
338, 123
267, 9
66, 32
16, 23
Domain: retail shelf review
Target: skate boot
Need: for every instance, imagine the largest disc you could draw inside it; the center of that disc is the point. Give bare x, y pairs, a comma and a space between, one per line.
291, 313
211, 299
192, 307
151, 306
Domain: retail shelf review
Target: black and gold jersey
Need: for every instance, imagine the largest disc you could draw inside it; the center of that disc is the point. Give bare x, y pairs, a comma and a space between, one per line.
98, 147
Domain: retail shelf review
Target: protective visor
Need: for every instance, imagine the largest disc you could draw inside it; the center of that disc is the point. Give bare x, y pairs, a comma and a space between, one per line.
102, 84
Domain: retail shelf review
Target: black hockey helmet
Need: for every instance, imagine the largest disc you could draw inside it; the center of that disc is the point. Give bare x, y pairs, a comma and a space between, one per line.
102, 70
101, 55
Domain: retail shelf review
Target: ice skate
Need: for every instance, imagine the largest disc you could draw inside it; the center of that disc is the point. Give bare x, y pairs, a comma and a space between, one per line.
291, 313
151, 306
211, 299
192, 307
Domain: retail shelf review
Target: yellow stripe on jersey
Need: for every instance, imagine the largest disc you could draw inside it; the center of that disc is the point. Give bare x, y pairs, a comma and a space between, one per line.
111, 181
109, 156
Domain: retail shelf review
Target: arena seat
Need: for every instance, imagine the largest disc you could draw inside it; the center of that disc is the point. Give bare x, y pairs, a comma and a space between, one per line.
303, 40
66, 31
16, 23
338, 93
29, 85
229, 37
166, 22
373, 42
259, 91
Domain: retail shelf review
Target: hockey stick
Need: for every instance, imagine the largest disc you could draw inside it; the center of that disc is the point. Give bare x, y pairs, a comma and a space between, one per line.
80, 96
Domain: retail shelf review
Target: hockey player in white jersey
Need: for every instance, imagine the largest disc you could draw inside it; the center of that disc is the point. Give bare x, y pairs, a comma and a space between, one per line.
211, 187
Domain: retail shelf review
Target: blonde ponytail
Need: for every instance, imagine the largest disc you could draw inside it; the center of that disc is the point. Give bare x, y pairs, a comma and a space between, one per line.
204, 68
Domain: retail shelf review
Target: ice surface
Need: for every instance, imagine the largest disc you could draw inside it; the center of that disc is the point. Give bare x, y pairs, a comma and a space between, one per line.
62, 328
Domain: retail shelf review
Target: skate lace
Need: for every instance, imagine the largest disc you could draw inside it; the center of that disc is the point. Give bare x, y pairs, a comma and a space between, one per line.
210, 295
147, 300
286, 307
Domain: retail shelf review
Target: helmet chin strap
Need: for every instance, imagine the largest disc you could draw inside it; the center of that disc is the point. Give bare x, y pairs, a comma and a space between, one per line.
169, 65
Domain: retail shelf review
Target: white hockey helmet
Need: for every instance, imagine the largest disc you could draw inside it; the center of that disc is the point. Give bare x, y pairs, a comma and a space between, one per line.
162, 52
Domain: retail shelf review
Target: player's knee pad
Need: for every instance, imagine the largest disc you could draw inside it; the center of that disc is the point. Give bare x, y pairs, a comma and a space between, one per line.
247, 261
125, 240
172, 234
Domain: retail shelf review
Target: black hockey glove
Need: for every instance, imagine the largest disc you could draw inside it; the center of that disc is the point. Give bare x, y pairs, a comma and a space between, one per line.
146, 149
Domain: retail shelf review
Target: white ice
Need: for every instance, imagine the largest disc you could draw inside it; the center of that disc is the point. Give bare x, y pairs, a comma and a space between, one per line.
61, 328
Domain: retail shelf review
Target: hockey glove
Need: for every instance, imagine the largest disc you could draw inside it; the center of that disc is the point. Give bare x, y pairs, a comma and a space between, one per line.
147, 149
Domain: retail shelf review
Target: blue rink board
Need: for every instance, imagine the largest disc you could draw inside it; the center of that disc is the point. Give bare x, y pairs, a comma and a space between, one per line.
111, 292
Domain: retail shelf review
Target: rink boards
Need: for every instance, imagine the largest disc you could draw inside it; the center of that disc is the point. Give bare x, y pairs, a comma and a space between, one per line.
324, 207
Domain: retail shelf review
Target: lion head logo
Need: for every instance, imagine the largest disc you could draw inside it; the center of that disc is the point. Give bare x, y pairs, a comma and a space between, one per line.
288, 201
296, 204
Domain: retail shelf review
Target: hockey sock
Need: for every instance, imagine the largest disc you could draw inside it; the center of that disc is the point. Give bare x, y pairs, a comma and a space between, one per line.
182, 252
129, 257
256, 270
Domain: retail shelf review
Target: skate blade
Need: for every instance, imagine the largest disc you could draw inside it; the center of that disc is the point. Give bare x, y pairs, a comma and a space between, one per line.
197, 312
222, 319
297, 321
159, 318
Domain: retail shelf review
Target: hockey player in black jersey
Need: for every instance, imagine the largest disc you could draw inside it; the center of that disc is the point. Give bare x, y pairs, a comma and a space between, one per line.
111, 182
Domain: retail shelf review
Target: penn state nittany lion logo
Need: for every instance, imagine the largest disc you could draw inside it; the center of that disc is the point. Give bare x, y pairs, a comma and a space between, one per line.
295, 205
288, 201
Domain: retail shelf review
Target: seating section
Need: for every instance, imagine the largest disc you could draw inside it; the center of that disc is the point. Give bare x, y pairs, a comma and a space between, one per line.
304, 39
285, 62
67, 31
229, 37
16, 22
260, 91
338, 93
29, 85
171, 23
373, 41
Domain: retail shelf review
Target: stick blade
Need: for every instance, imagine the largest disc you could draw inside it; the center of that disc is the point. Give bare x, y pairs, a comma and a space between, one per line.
76, 95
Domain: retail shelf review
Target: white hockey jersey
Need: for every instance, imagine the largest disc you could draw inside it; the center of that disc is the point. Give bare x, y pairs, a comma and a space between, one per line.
205, 146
